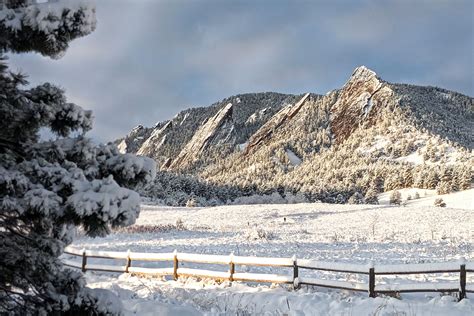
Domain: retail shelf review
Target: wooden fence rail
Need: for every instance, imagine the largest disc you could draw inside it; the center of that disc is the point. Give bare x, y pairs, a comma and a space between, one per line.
372, 288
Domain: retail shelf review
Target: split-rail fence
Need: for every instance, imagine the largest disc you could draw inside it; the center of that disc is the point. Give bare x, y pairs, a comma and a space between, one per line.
296, 265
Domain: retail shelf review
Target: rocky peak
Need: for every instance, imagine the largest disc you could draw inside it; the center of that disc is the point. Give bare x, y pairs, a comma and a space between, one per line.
362, 73
155, 141
358, 102
132, 141
136, 129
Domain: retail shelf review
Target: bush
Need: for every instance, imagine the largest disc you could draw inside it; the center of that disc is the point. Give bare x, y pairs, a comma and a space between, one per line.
395, 197
259, 233
356, 198
439, 203
161, 228
191, 203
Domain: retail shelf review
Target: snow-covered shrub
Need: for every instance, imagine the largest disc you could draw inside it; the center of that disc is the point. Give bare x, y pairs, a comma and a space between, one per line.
161, 228
439, 203
396, 197
47, 189
260, 234
180, 224
191, 202
356, 198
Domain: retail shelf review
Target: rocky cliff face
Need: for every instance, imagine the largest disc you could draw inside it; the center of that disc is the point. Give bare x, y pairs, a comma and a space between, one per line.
284, 116
167, 140
359, 102
201, 138
134, 139
156, 140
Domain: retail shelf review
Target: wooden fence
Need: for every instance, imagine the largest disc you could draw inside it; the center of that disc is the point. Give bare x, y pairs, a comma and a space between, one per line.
294, 278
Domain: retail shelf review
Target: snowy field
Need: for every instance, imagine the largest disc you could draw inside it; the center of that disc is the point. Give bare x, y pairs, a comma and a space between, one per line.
415, 233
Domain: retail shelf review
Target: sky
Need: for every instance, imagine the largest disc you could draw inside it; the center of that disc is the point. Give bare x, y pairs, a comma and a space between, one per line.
148, 60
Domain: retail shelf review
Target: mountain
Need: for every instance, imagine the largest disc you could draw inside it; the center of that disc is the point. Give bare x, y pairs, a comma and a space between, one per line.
166, 141
367, 137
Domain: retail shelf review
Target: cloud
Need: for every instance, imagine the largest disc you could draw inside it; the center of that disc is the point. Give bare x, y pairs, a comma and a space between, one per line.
150, 59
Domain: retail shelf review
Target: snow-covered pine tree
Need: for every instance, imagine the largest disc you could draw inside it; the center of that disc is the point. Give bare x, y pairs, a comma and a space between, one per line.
48, 188
371, 196
46, 28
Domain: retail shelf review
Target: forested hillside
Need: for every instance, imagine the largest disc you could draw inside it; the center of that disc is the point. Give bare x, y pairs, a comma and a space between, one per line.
349, 145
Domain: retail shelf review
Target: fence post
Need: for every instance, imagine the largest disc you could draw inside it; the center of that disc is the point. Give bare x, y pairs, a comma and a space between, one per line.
371, 280
296, 282
175, 265
231, 267
84, 260
462, 279
129, 261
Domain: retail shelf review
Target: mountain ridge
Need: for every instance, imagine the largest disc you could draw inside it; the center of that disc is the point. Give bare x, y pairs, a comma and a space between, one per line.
266, 141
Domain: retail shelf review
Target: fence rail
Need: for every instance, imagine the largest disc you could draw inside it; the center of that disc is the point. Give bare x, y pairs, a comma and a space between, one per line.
462, 267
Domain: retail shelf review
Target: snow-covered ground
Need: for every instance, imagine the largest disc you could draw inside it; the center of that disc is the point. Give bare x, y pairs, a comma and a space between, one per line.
383, 234
462, 199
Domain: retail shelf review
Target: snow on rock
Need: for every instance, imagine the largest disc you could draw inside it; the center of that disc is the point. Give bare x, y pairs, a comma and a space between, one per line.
282, 117
242, 147
155, 141
122, 146
184, 118
203, 135
293, 158
256, 116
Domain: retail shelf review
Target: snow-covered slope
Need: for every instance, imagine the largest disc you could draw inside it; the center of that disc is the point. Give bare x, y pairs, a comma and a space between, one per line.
340, 233
459, 200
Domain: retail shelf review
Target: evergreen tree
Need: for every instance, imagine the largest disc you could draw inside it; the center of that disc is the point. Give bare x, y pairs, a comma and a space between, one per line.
356, 198
49, 188
408, 177
443, 187
466, 179
432, 179
371, 197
